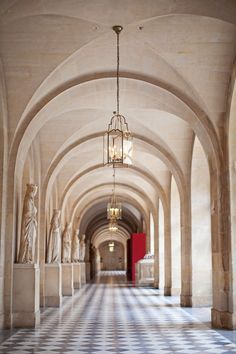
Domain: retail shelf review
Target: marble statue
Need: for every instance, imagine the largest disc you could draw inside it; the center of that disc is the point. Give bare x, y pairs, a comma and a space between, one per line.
54, 240
82, 249
28, 226
66, 244
75, 253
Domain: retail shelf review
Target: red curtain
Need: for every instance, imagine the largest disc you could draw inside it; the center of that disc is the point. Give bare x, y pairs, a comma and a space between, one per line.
137, 251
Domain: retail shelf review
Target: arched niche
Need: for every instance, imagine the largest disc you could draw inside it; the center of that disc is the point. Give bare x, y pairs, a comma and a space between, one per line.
112, 257
103, 235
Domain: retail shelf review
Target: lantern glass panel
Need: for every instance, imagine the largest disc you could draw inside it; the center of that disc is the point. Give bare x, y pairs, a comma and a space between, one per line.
115, 146
114, 211
127, 149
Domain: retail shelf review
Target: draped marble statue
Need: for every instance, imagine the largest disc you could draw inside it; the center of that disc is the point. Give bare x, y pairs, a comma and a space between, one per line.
54, 240
28, 226
75, 253
66, 244
82, 249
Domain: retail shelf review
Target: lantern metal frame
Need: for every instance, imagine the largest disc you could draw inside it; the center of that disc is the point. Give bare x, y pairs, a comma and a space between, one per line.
117, 142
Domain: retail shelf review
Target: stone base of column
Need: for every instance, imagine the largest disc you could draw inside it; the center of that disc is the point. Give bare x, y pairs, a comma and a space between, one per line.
175, 291
88, 271
156, 284
167, 291
83, 273
223, 319
201, 301
8, 321
2, 321
53, 285
67, 279
186, 300
233, 321
26, 311
77, 275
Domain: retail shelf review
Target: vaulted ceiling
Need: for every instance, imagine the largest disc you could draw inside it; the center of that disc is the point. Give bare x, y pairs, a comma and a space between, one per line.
59, 64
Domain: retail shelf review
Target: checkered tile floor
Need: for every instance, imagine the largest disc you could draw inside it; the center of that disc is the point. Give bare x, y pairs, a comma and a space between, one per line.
111, 316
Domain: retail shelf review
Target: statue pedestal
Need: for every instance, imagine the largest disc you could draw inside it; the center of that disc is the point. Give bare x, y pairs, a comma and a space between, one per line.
88, 271
145, 272
83, 273
53, 285
26, 311
67, 279
77, 275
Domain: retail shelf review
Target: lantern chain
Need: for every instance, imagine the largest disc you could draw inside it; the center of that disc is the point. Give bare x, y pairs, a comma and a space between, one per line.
117, 74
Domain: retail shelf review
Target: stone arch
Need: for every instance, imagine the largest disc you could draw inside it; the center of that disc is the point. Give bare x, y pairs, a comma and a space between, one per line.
103, 196
104, 235
137, 170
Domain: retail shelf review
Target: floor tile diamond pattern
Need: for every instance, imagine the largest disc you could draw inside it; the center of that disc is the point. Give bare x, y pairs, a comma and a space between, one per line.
111, 316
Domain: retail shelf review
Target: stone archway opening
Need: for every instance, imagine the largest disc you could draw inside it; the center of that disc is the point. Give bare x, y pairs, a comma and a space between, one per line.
112, 255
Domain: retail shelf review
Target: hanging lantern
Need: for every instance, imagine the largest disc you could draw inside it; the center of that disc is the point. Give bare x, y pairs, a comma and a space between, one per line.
114, 209
113, 227
111, 246
117, 144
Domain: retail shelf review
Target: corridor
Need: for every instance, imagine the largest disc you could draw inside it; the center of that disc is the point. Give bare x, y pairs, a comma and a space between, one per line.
111, 316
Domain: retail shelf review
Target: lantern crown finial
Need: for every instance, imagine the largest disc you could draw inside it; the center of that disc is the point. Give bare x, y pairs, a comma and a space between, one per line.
117, 29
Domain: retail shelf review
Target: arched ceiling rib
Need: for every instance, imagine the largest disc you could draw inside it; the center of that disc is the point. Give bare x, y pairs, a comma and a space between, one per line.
129, 197
99, 209
103, 11
143, 200
100, 221
81, 192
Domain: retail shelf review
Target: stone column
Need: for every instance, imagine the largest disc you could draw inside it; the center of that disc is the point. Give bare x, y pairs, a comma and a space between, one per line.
82, 260
26, 280
148, 246
175, 240
156, 246
201, 229
186, 247
232, 186
222, 315
167, 249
